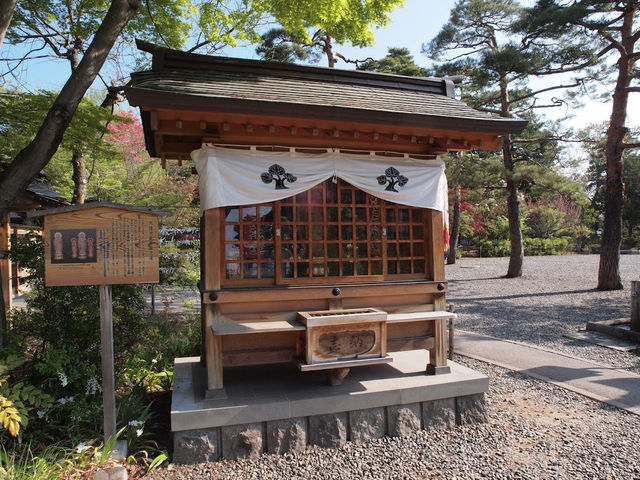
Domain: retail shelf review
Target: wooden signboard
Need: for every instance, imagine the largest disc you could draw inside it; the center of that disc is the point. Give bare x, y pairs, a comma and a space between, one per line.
100, 245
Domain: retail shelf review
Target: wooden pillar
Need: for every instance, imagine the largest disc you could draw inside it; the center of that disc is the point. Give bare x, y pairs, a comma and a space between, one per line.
635, 306
435, 251
210, 271
437, 354
5, 263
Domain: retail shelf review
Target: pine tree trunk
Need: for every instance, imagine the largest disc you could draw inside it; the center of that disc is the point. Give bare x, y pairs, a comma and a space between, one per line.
455, 228
513, 213
79, 176
37, 154
328, 50
6, 12
609, 270
513, 204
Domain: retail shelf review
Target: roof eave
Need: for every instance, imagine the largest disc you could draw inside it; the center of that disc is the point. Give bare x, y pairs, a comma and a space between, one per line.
151, 99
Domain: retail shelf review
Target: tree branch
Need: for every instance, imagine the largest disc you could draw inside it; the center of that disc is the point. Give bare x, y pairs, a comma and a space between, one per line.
555, 138
199, 45
617, 45
488, 110
20, 60
548, 89
356, 62
155, 26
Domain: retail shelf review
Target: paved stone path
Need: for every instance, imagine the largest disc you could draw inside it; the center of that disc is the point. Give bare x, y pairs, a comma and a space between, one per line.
606, 384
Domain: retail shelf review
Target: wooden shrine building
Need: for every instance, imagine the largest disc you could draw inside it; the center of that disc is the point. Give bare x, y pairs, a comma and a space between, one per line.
323, 206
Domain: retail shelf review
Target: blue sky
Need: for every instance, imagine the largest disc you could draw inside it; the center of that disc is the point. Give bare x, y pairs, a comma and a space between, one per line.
410, 27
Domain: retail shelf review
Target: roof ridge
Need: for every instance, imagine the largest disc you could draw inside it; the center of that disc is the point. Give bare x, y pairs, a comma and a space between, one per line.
169, 59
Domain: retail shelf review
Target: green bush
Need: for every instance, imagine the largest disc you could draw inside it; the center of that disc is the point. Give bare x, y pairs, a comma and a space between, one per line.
59, 334
545, 246
178, 266
494, 248
59, 331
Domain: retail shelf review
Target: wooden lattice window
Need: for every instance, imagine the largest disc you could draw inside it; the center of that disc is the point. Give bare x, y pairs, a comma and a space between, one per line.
332, 232
249, 247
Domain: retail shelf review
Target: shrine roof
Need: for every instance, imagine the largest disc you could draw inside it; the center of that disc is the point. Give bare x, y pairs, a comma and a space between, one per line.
187, 81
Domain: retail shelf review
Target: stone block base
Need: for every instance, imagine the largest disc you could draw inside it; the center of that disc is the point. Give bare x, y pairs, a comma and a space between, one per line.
277, 409
330, 431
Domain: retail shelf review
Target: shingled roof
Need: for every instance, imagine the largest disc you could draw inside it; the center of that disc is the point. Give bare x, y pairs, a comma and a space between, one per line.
192, 82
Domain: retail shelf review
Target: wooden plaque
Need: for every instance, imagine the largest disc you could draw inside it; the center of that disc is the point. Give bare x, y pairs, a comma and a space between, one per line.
101, 246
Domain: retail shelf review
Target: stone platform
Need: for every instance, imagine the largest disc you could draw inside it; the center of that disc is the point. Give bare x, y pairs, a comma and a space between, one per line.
277, 408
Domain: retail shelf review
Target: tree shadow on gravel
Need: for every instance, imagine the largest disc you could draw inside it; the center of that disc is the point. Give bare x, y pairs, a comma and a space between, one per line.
523, 295
532, 323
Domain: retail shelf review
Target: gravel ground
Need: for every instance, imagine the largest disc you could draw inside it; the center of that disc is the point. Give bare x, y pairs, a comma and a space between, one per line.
536, 430
556, 295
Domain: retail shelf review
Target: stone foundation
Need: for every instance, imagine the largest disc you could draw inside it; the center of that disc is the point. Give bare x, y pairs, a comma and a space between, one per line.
329, 431
278, 409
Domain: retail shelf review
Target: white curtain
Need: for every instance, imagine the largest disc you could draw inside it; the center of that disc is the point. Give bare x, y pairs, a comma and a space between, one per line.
231, 176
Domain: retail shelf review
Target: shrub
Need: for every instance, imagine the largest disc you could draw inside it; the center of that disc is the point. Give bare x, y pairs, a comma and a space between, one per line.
494, 248
178, 266
545, 246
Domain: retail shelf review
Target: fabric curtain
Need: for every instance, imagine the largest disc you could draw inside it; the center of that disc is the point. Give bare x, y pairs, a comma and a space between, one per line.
231, 176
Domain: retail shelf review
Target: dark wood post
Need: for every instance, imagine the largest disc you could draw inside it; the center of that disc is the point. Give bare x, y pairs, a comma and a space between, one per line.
635, 306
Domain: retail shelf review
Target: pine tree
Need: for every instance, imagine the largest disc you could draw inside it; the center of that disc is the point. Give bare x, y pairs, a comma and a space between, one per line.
610, 28
478, 41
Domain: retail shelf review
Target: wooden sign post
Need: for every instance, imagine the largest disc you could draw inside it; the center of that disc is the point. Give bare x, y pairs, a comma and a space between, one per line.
101, 244
635, 306
108, 373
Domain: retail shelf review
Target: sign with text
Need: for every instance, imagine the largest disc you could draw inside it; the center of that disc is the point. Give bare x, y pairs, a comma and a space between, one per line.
102, 245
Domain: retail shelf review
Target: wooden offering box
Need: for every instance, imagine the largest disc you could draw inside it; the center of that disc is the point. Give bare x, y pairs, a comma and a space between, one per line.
344, 338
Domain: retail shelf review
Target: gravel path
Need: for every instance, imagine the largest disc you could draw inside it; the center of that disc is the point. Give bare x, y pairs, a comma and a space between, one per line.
535, 430
556, 295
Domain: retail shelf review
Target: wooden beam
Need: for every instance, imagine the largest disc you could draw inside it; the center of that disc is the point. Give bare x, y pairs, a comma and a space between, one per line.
293, 292
362, 125
154, 121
